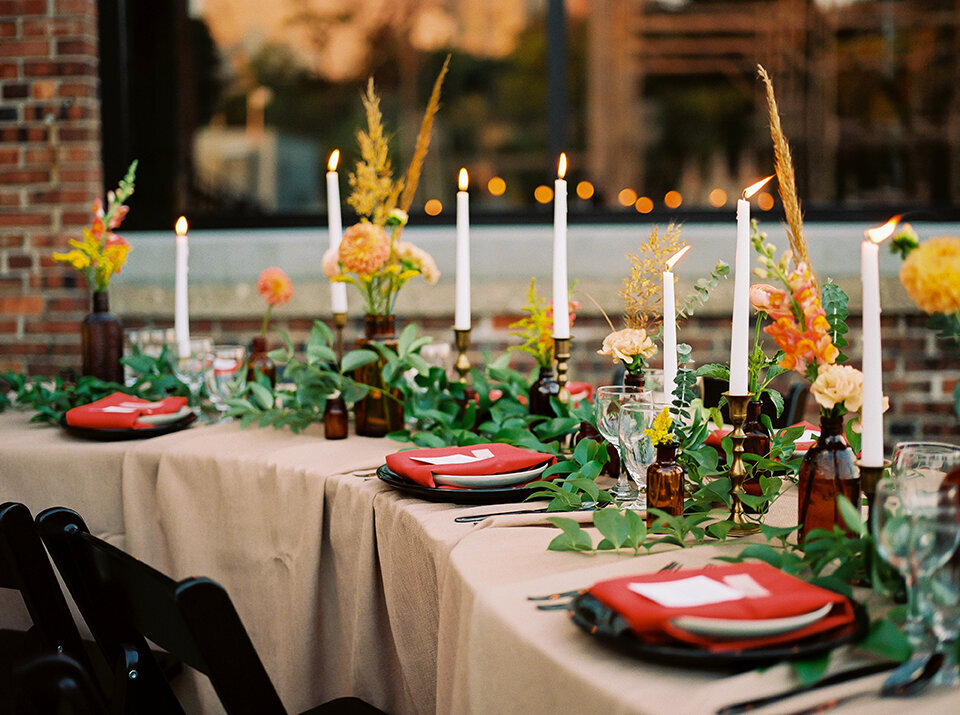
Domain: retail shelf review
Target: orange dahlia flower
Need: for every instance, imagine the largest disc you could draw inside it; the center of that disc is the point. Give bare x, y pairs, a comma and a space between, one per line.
274, 286
364, 249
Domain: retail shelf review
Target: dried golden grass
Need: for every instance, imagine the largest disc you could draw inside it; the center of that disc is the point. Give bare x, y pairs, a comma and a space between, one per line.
412, 179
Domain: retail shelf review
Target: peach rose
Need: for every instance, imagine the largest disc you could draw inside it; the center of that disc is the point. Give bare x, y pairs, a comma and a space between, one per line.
419, 259
330, 263
364, 249
625, 345
837, 384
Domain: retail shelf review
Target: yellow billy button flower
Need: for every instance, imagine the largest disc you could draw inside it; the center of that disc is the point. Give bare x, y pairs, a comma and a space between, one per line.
660, 432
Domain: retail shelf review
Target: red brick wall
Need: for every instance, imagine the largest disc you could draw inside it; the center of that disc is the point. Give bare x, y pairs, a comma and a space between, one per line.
50, 172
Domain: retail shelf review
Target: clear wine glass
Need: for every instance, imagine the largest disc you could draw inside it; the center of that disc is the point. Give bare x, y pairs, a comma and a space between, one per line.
928, 461
610, 398
636, 446
916, 532
190, 368
942, 608
225, 375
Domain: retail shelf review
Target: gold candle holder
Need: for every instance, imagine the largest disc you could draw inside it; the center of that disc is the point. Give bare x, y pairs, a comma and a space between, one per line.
339, 323
738, 473
561, 353
462, 365
869, 476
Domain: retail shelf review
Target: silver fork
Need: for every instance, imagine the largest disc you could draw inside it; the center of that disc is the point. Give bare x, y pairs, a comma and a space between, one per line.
673, 565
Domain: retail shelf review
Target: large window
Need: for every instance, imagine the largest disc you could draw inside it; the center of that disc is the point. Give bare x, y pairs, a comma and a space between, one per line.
233, 106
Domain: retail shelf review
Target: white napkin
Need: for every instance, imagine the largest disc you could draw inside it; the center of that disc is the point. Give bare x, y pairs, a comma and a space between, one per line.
478, 456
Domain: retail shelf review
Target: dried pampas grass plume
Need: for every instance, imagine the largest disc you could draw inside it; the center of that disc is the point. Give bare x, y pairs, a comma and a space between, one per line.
412, 179
785, 175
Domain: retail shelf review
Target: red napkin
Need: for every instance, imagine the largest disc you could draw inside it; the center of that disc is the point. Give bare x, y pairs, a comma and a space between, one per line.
506, 458
788, 596
120, 411
717, 435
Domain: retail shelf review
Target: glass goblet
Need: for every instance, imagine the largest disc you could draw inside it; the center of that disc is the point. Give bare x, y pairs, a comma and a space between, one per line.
190, 368
609, 400
916, 532
225, 375
636, 446
929, 461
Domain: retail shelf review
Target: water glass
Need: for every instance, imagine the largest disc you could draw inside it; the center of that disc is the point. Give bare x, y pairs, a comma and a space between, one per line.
916, 532
225, 374
190, 368
636, 446
610, 398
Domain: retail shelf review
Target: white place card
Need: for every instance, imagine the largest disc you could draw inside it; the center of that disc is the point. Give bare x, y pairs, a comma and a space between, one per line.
745, 584
478, 456
687, 592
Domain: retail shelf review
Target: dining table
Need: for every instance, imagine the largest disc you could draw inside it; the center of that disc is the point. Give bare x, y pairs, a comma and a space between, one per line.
348, 586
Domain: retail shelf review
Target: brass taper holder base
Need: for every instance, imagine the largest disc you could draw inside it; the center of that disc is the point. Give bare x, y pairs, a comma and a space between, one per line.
339, 323
869, 476
738, 473
462, 365
561, 353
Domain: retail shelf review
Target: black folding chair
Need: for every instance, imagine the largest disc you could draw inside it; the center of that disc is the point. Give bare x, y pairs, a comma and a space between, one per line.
58, 684
25, 567
124, 601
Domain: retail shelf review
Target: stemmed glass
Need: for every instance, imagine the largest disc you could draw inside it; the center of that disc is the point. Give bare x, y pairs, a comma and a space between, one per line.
636, 446
225, 373
942, 606
916, 532
190, 369
610, 398
929, 461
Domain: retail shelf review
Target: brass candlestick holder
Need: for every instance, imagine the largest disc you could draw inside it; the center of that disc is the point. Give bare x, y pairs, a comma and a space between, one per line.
869, 476
561, 353
339, 323
462, 365
738, 473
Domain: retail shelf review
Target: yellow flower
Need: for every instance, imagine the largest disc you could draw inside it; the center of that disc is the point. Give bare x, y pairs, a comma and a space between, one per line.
365, 248
660, 432
931, 275
75, 258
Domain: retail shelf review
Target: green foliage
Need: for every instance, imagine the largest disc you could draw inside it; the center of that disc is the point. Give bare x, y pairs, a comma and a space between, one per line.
50, 397
701, 291
577, 489
834, 302
301, 401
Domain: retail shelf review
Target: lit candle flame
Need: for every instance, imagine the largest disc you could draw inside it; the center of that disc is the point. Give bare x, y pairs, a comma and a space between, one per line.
182, 226
562, 166
672, 261
882, 233
334, 160
754, 188
463, 181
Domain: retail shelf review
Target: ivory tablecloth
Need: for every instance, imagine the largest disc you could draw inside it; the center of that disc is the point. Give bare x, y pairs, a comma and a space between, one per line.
348, 587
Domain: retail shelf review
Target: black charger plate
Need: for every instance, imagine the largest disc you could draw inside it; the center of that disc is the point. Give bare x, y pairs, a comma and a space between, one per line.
602, 622
494, 495
116, 435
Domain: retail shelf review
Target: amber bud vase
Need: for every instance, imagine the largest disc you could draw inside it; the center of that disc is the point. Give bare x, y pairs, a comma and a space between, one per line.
335, 423
545, 387
101, 337
260, 361
665, 483
757, 441
378, 413
828, 470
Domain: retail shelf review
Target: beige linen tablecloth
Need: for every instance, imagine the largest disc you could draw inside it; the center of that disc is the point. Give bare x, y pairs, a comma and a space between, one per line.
349, 587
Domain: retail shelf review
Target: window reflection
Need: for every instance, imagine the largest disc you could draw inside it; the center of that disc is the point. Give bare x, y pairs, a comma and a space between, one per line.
662, 101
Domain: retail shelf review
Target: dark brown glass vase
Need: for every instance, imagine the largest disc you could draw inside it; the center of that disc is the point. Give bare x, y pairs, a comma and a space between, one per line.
335, 423
634, 379
665, 483
829, 469
260, 361
101, 336
378, 413
545, 387
756, 442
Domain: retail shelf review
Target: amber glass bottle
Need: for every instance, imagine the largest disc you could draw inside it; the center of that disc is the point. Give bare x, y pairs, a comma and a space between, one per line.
829, 469
665, 483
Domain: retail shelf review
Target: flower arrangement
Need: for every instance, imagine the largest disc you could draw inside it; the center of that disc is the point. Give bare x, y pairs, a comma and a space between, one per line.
630, 346
102, 253
660, 432
536, 327
371, 255
275, 287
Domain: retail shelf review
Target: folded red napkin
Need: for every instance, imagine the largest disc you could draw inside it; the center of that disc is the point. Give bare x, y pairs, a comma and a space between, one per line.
503, 458
120, 411
787, 596
811, 432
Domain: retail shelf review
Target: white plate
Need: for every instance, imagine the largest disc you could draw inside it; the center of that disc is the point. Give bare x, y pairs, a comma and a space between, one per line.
166, 417
738, 628
479, 481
